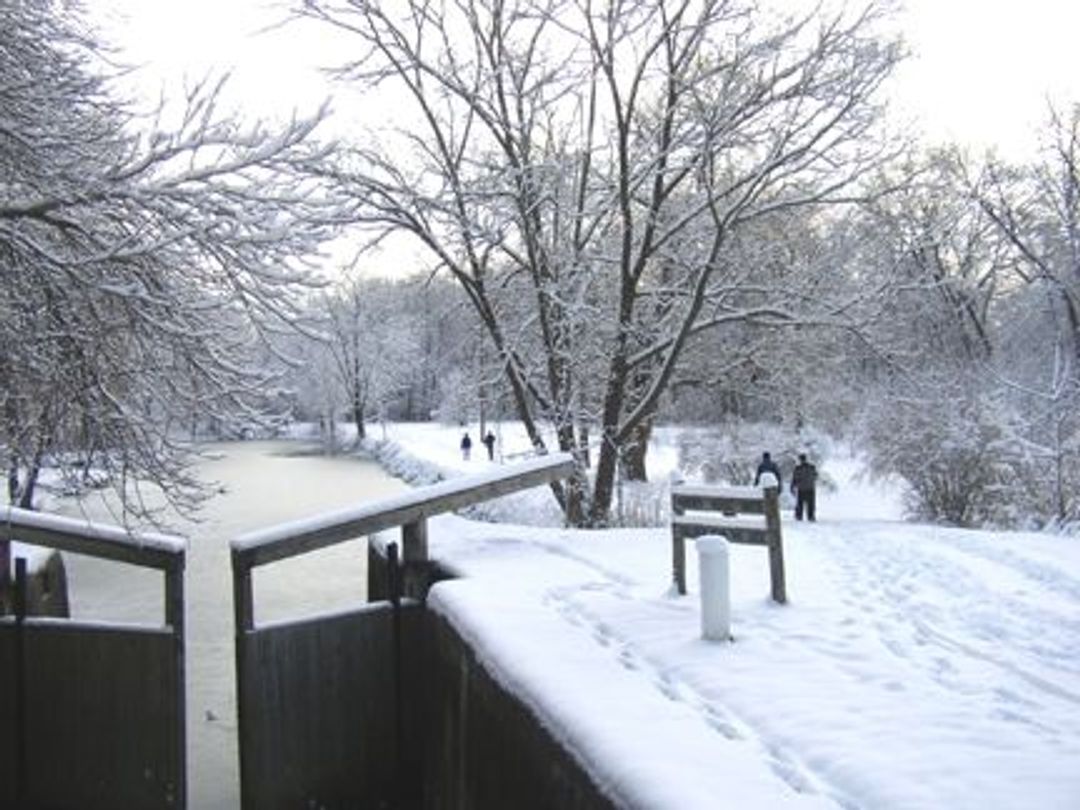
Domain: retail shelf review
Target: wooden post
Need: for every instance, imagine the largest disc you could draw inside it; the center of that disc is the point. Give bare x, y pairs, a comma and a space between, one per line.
414, 541
244, 621
414, 557
776, 547
243, 606
174, 597
21, 769
678, 550
395, 582
174, 617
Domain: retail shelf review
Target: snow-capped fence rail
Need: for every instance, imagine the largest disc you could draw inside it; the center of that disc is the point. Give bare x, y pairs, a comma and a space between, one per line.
321, 714
98, 709
748, 515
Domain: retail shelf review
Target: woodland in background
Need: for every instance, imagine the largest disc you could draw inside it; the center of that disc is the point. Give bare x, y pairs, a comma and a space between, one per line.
954, 365
683, 212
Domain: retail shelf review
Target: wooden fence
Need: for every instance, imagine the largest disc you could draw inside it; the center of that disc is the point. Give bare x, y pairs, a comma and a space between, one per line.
749, 515
93, 713
320, 700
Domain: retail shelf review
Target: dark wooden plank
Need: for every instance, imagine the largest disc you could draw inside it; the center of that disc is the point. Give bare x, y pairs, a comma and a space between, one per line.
752, 505
486, 747
730, 502
318, 700
776, 547
8, 711
103, 724
414, 541
743, 535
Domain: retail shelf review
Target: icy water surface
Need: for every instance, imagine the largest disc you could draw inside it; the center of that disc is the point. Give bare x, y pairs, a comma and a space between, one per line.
262, 483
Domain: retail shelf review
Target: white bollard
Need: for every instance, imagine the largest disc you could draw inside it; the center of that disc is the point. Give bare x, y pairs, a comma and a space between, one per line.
715, 595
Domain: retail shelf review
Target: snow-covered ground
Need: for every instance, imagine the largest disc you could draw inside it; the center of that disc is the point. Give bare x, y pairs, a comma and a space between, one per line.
913, 667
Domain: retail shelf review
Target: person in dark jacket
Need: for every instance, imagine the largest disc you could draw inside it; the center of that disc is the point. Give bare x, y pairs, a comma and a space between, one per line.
466, 446
489, 443
767, 465
803, 484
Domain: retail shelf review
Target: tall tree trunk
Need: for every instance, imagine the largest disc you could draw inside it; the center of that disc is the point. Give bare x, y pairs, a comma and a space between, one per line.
358, 418
13, 480
26, 497
575, 491
604, 486
583, 445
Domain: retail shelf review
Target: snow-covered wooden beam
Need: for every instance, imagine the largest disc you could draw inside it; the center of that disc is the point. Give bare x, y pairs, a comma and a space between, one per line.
108, 542
410, 511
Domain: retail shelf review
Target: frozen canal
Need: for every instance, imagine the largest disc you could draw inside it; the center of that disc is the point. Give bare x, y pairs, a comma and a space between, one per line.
262, 483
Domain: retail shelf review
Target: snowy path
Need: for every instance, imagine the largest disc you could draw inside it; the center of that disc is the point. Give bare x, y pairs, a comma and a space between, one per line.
949, 607
914, 667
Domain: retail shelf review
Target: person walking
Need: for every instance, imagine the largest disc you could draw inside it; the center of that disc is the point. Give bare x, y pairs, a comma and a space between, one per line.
804, 484
767, 465
466, 446
489, 443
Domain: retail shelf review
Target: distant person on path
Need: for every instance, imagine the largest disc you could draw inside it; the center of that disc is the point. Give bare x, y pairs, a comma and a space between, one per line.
767, 465
803, 482
489, 442
466, 446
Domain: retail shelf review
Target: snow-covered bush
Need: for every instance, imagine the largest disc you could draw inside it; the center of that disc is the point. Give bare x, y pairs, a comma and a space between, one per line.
730, 453
952, 450
641, 504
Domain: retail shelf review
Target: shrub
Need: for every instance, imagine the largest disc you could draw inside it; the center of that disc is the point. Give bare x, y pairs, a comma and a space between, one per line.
953, 453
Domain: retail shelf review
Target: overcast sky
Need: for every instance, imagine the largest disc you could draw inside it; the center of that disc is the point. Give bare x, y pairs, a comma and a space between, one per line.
981, 70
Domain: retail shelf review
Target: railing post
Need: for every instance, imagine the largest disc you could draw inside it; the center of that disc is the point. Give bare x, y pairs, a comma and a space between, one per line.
244, 620
395, 587
776, 546
414, 541
414, 557
21, 770
5, 572
678, 549
175, 619
243, 607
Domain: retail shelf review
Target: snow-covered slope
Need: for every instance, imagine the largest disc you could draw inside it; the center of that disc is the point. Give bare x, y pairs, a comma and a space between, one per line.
914, 666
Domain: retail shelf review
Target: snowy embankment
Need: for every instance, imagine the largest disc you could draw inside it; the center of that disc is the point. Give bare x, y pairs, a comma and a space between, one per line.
914, 666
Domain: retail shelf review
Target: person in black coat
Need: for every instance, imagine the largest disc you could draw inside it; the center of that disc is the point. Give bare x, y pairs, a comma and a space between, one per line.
466, 446
803, 484
489, 443
767, 465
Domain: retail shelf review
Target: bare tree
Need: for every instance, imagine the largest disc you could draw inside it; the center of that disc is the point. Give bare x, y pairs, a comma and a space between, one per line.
142, 260
594, 160
371, 341
1036, 210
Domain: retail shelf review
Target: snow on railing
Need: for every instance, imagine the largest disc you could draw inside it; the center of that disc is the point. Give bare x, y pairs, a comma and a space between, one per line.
102, 540
409, 511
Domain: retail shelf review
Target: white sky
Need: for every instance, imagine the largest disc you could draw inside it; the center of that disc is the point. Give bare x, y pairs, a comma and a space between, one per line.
980, 73
981, 70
